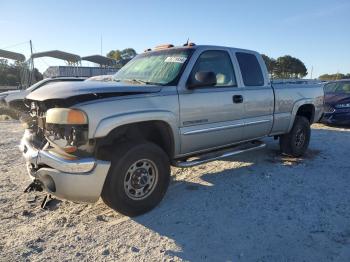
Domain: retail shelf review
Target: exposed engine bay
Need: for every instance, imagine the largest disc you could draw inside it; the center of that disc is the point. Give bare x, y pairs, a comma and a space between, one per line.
69, 139
66, 139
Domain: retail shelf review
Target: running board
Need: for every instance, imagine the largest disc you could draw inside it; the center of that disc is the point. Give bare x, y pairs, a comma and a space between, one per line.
212, 156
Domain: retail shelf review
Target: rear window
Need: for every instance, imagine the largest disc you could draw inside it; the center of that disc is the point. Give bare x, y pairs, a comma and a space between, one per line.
250, 69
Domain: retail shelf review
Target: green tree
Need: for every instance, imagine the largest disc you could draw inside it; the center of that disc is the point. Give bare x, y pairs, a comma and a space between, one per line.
331, 77
13, 74
128, 53
289, 67
122, 56
115, 54
270, 64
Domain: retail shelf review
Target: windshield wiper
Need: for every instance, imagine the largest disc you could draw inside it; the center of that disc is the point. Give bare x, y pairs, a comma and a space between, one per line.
143, 82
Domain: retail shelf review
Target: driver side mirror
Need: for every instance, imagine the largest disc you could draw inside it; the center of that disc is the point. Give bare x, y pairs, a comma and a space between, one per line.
202, 79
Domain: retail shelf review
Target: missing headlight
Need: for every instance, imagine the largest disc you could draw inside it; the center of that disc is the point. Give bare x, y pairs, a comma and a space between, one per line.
70, 138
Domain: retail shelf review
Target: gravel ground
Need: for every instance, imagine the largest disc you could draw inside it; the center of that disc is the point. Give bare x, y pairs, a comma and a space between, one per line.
256, 207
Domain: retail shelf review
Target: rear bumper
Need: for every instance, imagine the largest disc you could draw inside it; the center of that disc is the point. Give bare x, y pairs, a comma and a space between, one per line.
79, 179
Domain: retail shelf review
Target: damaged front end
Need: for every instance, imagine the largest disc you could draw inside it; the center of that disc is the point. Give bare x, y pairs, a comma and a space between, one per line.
58, 153
46, 123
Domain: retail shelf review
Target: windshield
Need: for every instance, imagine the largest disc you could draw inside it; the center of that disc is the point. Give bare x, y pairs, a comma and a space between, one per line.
337, 87
155, 68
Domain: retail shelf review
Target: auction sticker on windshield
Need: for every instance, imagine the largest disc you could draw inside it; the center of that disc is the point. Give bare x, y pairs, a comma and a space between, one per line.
175, 59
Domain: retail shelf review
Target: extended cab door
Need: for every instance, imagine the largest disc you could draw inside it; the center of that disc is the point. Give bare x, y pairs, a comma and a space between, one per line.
210, 116
258, 96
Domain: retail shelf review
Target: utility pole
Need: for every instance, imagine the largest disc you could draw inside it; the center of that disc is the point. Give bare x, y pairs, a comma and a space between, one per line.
32, 64
101, 44
312, 70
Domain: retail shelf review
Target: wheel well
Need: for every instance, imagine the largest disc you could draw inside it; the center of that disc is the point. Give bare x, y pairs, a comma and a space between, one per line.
308, 111
158, 132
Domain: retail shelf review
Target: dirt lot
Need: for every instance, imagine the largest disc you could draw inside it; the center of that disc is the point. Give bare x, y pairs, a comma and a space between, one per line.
257, 207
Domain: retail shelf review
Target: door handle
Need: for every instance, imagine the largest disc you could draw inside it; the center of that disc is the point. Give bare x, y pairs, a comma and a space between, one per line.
237, 99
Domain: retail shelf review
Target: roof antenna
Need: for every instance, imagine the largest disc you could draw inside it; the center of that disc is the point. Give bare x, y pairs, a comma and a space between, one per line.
187, 42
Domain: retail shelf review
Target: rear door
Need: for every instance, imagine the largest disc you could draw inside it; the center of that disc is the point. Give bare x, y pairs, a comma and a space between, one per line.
211, 116
258, 96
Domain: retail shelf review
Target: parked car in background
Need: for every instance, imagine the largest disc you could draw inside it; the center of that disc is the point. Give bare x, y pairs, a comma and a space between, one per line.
102, 78
13, 100
337, 103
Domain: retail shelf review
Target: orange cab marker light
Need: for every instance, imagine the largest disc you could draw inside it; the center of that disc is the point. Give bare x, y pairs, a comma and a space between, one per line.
165, 46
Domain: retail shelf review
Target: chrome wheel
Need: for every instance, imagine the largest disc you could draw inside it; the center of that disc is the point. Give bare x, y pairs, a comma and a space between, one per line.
140, 179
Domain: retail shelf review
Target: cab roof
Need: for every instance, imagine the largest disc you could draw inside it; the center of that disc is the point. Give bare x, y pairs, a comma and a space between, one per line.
194, 46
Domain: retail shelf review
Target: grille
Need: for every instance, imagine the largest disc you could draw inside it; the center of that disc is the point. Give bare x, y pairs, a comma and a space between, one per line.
328, 109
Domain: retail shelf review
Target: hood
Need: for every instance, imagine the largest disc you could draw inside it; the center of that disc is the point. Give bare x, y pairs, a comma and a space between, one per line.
63, 90
16, 96
337, 98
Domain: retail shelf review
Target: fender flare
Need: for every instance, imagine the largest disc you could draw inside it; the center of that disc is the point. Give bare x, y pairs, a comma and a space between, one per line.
296, 106
106, 125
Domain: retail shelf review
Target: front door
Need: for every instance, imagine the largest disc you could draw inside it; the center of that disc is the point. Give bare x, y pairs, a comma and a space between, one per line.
211, 116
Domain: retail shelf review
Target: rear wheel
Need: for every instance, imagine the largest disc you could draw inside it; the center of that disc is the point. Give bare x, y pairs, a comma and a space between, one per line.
138, 178
296, 142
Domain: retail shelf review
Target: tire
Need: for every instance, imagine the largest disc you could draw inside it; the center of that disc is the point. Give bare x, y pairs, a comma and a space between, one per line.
138, 178
296, 142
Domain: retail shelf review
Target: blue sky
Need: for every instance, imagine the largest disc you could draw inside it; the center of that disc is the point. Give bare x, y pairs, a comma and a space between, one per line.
317, 32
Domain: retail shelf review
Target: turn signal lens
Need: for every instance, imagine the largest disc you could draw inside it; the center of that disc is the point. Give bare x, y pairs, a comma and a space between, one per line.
76, 117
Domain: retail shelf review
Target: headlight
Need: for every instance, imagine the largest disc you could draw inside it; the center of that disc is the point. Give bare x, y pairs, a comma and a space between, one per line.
66, 116
343, 105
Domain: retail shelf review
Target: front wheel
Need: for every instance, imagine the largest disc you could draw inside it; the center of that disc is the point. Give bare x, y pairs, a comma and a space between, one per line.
296, 142
138, 178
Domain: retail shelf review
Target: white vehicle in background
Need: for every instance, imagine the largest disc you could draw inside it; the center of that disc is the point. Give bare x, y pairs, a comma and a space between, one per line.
14, 100
102, 78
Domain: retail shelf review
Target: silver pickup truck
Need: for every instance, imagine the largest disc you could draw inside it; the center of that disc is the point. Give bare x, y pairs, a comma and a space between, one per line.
180, 106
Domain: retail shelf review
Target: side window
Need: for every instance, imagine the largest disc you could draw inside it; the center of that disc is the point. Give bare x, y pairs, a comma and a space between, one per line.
250, 69
218, 62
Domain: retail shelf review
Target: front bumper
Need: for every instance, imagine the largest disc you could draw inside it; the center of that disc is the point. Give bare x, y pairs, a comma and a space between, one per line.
336, 118
79, 179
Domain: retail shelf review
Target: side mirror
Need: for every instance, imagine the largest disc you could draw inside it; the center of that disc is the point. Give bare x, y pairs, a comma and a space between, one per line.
202, 79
